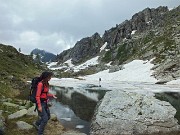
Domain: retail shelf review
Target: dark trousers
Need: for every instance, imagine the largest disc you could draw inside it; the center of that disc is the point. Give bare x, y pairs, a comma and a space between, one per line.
44, 116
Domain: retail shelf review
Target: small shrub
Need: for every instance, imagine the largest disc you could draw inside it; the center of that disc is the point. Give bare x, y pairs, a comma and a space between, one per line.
107, 57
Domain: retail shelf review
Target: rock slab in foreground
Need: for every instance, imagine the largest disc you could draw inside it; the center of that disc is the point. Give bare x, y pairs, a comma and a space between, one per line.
129, 113
23, 125
18, 114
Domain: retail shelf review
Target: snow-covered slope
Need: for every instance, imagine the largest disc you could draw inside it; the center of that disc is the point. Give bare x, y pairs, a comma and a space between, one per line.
136, 71
69, 66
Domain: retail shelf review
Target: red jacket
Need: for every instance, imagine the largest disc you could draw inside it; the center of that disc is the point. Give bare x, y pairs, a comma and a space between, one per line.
43, 95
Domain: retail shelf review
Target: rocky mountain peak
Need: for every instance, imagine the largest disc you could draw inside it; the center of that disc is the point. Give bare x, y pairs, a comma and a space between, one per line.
151, 33
139, 22
86, 48
89, 47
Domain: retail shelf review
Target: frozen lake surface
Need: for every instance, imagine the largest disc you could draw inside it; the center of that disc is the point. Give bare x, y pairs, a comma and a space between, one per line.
77, 99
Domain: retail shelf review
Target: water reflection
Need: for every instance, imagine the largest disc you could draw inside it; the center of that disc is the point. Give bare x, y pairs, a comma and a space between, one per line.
82, 106
75, 107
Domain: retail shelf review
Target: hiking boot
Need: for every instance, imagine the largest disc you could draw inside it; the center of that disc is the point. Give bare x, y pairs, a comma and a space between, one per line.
35, 125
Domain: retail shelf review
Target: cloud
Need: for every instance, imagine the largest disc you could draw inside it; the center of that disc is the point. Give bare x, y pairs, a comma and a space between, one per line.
53, 42
55, 25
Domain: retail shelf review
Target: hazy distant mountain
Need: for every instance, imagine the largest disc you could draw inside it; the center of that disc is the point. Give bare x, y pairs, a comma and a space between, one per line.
44, 55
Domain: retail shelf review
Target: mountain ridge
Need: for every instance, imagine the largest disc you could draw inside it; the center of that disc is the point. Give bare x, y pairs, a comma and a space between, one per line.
121, 31
150, 33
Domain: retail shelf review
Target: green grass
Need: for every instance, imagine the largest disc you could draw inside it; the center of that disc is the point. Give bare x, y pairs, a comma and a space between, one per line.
125, 52
12, 126
107, 57
85, 72
15, 70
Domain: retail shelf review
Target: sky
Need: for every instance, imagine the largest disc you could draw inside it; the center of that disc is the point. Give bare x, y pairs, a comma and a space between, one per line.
56, 25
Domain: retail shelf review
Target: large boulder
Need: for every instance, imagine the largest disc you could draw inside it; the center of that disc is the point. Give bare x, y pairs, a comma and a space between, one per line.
132, 113
23, 125
31, 111
115, 68
18, 114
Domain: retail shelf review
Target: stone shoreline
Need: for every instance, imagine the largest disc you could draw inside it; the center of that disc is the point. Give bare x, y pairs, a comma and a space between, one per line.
20, 114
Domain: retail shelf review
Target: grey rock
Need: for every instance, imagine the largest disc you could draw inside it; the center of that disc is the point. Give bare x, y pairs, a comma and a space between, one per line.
144, 114
10, 104
18, 114
115, 68
9, 100
73, 133
141, 21
53, 117
10, 77
23, 125
31, 111
162, 81
22, 107
86, 48
28, 104
168, 70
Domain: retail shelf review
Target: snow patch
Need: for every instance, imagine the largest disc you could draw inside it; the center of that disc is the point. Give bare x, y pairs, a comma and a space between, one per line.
170, 9
69, 62
69, 66
133, 32
174, 82
103, 47
1, 50
66, 119
109, 64
136, 71
91, 62
52, 64
79, 126
136, 77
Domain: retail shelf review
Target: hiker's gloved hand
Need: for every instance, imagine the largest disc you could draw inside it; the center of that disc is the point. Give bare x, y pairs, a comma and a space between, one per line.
54, 96
40, 108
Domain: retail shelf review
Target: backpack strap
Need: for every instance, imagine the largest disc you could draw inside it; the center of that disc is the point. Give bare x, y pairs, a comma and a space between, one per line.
41, 99
42, 91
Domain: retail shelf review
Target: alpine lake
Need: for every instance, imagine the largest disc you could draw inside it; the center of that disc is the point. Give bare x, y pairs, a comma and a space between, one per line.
75, 107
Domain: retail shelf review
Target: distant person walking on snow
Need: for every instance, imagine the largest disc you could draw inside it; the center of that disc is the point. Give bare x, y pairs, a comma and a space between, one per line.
99, 82
42, 99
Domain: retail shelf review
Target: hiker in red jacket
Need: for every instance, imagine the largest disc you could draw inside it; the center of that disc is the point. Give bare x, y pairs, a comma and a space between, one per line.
42, 99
